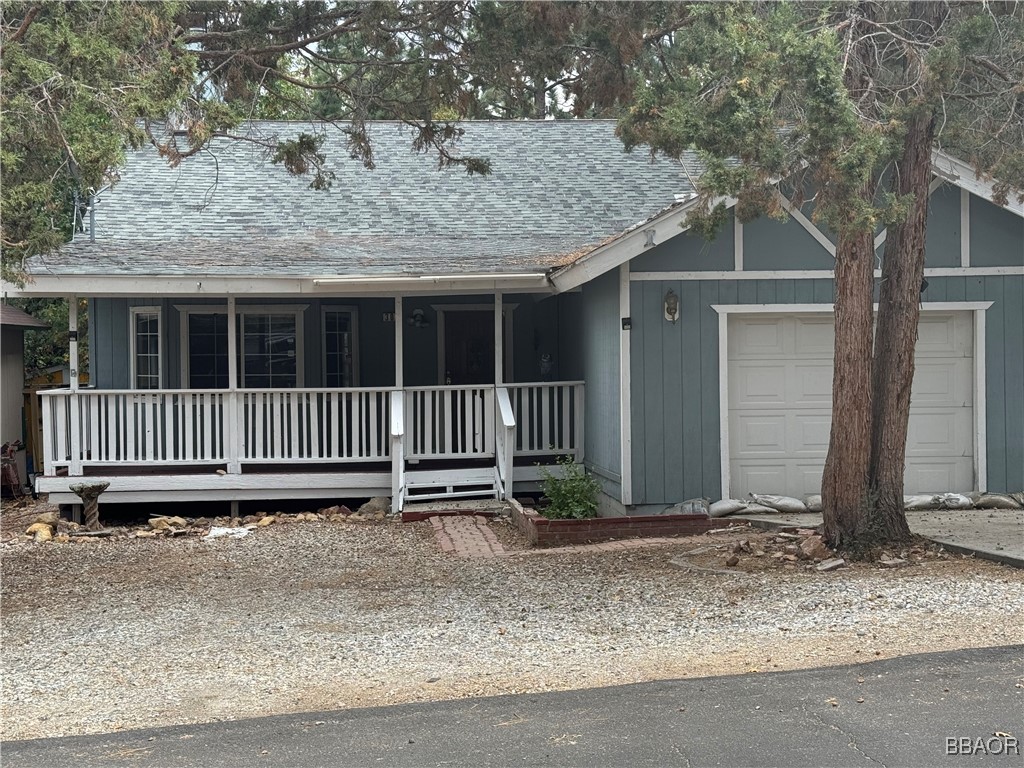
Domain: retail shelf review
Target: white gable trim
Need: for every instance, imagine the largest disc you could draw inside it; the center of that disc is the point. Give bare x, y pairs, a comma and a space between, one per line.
670, 223
965, 176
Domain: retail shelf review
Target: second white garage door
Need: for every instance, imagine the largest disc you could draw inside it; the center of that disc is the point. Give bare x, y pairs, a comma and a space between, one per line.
780, 397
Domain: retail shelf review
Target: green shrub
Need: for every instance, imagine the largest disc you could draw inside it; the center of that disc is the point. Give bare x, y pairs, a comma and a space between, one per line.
573, 493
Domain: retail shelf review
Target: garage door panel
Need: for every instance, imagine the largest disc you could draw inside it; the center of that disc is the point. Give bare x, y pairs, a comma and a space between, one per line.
810, 433
757, 338
936, 432
754, 384
780, 381
931, 476
759, 474
810, 383
815, 336
943, 382
757, 436
945, 335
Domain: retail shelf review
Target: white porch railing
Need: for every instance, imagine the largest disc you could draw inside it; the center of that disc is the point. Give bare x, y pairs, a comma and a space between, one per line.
549, 418
449, 422
307, 426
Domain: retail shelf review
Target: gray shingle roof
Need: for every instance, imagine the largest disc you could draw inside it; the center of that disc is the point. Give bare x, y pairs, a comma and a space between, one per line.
557, 189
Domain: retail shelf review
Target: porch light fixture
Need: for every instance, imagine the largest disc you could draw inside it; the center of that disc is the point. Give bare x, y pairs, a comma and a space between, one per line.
417, 319
671, 306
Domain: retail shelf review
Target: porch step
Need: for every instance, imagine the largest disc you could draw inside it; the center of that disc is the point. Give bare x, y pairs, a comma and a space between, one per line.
425, 485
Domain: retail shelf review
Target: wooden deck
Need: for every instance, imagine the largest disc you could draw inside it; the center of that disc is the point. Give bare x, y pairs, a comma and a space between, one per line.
235, 445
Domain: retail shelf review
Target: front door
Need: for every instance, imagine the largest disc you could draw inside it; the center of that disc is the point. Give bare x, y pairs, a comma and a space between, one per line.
469, 347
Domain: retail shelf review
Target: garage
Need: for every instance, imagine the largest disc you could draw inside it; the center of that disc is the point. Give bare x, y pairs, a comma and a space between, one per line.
779, 384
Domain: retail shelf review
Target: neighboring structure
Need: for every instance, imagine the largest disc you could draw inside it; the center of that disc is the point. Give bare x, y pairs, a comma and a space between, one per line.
423, 333
13, 324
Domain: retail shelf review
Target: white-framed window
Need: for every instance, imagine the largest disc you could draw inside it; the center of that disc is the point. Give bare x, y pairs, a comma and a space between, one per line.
144, 340
270, 348
340, 333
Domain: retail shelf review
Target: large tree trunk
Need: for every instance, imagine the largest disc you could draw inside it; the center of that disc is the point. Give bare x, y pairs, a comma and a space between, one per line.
844, 484
899, 310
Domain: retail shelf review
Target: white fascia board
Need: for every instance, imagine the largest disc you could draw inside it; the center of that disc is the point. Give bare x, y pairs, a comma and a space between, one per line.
965, 176
202, 285
628, 245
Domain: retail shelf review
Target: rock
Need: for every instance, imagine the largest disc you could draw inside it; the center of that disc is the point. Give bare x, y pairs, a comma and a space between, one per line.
38, 527
795, 551
373, 506
202, 522
814, 548
831, 564
268, 520
249, 519
62, 539
42, 533
337, 509
892, 562
48, 518
145, 534
159, 523
177, 522
733, 560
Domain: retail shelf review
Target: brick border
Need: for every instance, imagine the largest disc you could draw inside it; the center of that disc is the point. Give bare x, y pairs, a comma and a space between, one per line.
419, 515
542, 532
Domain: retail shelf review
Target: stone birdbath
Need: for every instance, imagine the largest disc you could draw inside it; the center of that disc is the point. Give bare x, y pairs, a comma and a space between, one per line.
89, 493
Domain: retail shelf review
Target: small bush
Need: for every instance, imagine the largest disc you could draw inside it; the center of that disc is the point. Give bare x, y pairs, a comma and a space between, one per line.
573, 493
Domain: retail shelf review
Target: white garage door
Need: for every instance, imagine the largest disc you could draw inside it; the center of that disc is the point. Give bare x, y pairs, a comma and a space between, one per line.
780, 397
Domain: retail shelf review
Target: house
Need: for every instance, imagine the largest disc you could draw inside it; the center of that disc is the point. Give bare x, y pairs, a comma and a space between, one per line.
421, 333
13, 324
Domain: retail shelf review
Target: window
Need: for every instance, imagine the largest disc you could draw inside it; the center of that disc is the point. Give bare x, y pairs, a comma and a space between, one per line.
340, 347
145, 348
269, 350
207, 350
269, 347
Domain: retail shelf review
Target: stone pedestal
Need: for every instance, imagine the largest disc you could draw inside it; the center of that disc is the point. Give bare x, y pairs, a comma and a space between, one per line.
89, 493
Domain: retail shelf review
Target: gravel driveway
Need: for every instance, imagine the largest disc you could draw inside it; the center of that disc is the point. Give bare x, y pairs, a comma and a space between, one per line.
126, 633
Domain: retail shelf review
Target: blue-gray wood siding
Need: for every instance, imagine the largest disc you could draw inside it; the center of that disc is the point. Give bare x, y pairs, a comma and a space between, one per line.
675, 376
537, 329
769, 244
599, 343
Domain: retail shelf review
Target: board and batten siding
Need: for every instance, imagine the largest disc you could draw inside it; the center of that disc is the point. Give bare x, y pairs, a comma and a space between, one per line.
675, 376
599, 343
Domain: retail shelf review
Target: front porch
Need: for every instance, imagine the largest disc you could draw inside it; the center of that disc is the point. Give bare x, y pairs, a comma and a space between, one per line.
413, 443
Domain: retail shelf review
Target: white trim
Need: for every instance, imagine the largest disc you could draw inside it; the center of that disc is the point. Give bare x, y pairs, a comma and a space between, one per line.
625, 392
737, 236
133, 312
214, 286
353, 312
826, 308
965, 228
630, 243
804, 222
233, 449
443, 309
723, 400
965, 176
977, 307
815, 274
980, 402
298, 310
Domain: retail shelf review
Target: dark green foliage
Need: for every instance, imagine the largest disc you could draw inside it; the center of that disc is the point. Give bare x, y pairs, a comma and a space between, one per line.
48, 347
573, 493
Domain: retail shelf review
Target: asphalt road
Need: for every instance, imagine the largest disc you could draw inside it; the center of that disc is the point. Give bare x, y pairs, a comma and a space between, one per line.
911, 706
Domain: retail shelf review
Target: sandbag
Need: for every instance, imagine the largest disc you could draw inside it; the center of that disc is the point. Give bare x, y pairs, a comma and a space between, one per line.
996, 501
923, 501
780, 503
725, 507
1018, 497
759, 509
813, 502
689, 507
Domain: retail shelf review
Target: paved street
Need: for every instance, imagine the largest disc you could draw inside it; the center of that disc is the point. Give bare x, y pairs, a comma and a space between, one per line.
910, 707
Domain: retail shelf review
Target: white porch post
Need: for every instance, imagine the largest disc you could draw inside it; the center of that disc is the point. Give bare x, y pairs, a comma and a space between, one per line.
499, 336
399, 324
75, 425
233, 416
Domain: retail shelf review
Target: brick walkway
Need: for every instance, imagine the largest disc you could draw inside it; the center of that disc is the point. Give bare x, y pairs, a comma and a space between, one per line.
469, 536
